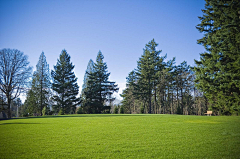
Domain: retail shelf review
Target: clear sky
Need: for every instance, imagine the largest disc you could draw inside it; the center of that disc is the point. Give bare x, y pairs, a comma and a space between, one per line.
119, 28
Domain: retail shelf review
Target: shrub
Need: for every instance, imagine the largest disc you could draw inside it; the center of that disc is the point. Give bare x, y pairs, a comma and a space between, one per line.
61, 112
44, 111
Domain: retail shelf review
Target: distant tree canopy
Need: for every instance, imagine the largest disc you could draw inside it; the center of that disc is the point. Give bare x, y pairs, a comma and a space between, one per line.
14, 74
218, 70
65, 85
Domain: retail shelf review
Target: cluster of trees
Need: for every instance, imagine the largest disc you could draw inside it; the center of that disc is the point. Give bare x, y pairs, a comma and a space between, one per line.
54, 92
14, 75
218, 70
214, 83
158, 86
97, 90
155, 86
58, 90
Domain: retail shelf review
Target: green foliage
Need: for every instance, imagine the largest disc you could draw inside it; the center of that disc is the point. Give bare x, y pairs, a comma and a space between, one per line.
148, 66
179, 110
157, 86
121, 110
61, 112
98, 89
85, 87
218, 71
121, 136
44, 111
39, 95
79, 110
23, 110
30, 103
142, 110
116, 110
65, 85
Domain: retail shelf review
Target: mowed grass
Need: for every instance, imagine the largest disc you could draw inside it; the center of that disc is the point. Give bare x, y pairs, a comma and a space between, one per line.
121, 136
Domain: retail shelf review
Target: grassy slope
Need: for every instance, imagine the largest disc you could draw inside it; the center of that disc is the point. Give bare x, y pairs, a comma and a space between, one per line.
121, 136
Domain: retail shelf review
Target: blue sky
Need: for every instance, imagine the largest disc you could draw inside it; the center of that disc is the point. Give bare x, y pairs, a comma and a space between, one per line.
120, 29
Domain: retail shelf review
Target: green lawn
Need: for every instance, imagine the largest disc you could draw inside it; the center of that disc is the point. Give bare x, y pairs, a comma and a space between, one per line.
121, 136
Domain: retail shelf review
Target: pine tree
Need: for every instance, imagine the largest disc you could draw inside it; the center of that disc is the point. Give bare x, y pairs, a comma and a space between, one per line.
99, 89
148, 65
39, 95
41, 82
90, 69
128, 102
218, 71
65, 84
30, 104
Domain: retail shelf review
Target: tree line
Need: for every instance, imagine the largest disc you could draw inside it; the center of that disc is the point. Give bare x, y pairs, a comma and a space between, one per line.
160, 87
155, 86
56, 92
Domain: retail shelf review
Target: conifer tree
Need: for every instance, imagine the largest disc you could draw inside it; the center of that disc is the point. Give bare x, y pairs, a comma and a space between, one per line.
128, 102
65, 84
41, 83
99, 89
148, 65
218, 71
90, 69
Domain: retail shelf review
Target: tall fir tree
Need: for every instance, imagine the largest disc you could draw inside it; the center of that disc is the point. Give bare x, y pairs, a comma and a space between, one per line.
30, 104
218, 70
148, 65
128, 102
39, 95
99, 90
43, 81
90, 69
65, 85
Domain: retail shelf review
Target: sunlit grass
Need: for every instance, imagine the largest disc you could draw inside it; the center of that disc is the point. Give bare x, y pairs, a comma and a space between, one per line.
121, 136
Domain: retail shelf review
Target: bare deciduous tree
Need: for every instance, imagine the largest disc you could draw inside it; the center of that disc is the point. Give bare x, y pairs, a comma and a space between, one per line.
14, 74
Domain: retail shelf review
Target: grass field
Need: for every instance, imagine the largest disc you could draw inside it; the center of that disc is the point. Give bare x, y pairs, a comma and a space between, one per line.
121, 136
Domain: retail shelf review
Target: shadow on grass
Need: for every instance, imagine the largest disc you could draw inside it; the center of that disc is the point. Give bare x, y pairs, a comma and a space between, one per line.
80, 115
17, 123
86, 115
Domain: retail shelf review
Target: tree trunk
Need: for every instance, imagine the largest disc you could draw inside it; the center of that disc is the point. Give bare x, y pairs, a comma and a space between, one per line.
168, 99
172, 111
182, 99
149, 98
8, 107
155, 101
177, 99
41, 100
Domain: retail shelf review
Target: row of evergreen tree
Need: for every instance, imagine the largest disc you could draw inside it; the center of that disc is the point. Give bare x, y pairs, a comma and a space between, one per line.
58, 91
160, 87
156, 85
